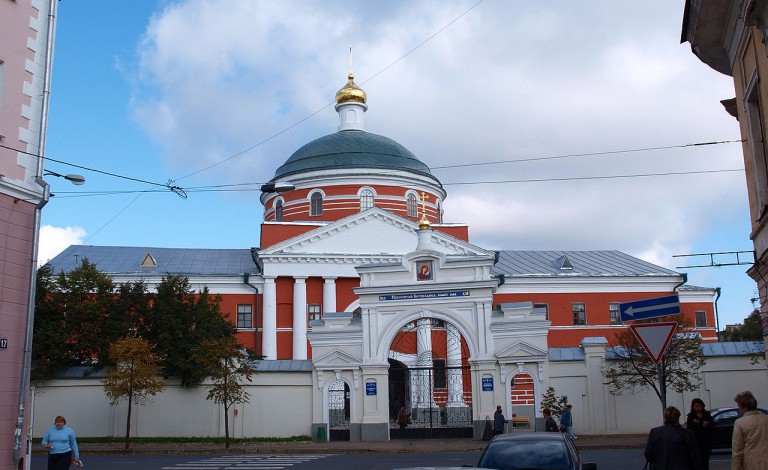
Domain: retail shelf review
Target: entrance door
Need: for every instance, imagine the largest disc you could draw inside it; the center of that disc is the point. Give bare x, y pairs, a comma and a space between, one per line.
430, 388
338, 411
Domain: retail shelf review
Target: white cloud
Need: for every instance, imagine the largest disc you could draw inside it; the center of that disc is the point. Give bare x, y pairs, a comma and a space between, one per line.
53, 240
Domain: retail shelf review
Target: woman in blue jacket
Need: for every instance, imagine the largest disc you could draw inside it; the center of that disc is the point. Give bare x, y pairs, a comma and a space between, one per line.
61, 444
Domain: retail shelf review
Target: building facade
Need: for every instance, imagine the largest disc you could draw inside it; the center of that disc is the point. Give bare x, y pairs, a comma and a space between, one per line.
729, 36
26, 39
358, 273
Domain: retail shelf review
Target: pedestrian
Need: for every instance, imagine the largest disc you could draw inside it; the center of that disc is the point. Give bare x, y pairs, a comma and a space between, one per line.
566, 421
701, 423
671, 446
749, 448
550, 424
498, 421
403, 417
61, 444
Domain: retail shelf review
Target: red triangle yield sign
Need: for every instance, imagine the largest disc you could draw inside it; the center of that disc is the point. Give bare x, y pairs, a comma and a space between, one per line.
654, 337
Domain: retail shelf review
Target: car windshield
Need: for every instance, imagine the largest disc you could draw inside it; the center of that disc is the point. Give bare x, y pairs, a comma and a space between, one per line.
518, 455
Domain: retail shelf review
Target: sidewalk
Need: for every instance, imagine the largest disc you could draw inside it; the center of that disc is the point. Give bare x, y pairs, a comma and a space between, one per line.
613, 441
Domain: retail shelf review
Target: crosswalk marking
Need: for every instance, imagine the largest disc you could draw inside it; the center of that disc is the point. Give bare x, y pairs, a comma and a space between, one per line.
247, 462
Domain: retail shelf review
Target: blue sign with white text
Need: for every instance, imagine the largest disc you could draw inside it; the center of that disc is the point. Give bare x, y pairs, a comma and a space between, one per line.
650, 308
370, 388
487, 384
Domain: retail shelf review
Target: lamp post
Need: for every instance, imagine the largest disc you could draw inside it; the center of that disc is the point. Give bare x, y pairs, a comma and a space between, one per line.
27, 358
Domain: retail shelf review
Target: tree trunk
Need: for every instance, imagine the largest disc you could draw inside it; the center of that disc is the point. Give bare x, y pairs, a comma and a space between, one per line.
226, 427
128, 422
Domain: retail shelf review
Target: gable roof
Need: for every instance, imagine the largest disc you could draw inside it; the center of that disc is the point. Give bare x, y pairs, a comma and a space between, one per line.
582, 263
131, 260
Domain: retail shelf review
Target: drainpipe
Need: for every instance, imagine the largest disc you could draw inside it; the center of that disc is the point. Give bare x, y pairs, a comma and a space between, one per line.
27, 354
685, 279
717, 316
246, 279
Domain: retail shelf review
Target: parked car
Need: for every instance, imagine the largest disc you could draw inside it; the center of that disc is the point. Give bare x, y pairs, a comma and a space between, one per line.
723, 430
533, 451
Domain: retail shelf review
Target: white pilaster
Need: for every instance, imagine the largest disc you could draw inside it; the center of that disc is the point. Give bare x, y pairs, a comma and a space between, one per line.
269, 320
299, 318
329, 294
455, 377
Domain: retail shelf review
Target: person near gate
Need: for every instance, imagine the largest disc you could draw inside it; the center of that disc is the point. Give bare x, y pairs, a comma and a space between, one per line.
60, 442
566, 421
550, 424
750, 434
498, 421
700, 422
403, 417
671, 446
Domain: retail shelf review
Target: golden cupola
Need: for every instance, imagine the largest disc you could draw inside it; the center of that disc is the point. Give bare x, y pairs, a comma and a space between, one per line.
351, 93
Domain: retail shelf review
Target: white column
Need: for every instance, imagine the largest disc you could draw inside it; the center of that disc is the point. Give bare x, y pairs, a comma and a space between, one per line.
424, 359
454, 376
269, 320
299, 318
329, 294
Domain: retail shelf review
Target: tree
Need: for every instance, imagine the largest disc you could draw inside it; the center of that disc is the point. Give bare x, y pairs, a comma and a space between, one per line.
630, 367
179, 321
76, 319
134, 376
750, 330
549, 400
228, 367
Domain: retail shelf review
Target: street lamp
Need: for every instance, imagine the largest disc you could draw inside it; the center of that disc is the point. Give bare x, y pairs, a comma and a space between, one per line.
277, 187
27, 360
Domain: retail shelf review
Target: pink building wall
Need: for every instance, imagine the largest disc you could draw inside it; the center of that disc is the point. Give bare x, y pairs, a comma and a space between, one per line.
24, 46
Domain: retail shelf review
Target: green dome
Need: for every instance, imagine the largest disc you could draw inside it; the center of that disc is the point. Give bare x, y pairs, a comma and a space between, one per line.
352, 149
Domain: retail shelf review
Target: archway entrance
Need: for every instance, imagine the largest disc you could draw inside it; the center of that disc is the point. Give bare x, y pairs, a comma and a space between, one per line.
430, 385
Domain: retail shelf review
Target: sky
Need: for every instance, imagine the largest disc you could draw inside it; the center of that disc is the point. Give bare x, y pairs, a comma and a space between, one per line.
577, 118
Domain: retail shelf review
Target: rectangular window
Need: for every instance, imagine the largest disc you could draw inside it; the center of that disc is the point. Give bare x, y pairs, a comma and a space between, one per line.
541, 308
245, 316
701, 319
313, 312
613, 308
579, 314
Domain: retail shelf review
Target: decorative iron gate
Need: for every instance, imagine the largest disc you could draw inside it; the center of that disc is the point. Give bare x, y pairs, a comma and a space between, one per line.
338, 411
430, 382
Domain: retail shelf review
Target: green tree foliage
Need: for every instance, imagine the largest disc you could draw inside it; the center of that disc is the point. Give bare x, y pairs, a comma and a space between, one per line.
750, 330
179, 322
632, 369
228, 367
50, 351
550, 400
134, 376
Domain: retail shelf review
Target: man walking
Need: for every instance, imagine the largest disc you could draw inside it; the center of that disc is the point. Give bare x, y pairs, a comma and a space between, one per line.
750, 435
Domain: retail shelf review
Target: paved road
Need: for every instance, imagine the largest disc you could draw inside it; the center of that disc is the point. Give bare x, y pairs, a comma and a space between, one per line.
607, 459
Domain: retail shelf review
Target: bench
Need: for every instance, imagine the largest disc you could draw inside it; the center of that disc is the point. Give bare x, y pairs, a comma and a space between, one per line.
520, 420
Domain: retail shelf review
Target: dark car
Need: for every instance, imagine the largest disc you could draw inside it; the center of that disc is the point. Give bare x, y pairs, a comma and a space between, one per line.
533, 451
723, 430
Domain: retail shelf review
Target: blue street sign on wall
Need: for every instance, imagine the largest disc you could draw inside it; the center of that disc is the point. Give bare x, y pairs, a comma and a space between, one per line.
370, 388
650, 308
487, 384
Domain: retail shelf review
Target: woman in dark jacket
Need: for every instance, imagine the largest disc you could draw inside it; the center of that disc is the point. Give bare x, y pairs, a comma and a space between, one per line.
700, 422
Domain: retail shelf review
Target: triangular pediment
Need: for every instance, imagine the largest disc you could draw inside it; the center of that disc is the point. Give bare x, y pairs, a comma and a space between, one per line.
521, 349
336, 358
371, 232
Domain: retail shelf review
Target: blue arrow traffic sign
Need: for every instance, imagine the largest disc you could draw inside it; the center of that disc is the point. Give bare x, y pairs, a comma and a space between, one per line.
650, 308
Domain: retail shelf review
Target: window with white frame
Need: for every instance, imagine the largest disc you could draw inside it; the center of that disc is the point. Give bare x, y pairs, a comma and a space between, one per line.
701, 319
413, 206
316, 204
579, 314
313, 312
279, 210
366, 199
245, 316
613, 308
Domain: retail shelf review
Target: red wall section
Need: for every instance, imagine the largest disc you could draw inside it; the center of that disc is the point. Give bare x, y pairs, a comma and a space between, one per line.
272, 234
460, 232
344, 294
